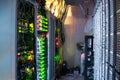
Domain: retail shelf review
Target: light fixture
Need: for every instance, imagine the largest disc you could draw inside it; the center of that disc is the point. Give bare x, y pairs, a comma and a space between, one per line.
56, 7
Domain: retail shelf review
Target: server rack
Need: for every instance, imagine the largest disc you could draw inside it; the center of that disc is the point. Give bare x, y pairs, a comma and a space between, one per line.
110, 39
114, 37
51, 47
42, 41
26, 63
117, 39
103, 41
89, 58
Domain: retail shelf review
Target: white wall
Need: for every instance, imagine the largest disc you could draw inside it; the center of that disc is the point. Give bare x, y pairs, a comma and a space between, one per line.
74, 32
7, 39
76, 26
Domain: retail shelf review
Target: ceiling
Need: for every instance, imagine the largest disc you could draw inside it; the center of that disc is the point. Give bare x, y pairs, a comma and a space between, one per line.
87, 6
77, 2
74, 2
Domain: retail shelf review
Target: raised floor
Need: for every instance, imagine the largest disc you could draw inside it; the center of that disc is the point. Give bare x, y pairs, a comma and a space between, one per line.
71, 77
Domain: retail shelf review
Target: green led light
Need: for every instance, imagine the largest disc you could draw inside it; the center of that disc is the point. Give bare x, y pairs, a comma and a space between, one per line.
42, 57
25, 52
43, 65
31, 25
44, 22
42, 47
42, 50
42, 69
41, 62
42, 39
43, 74
46, 27
43, 78
42, 53
57, 58
43, 17
20, 31
42, 43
